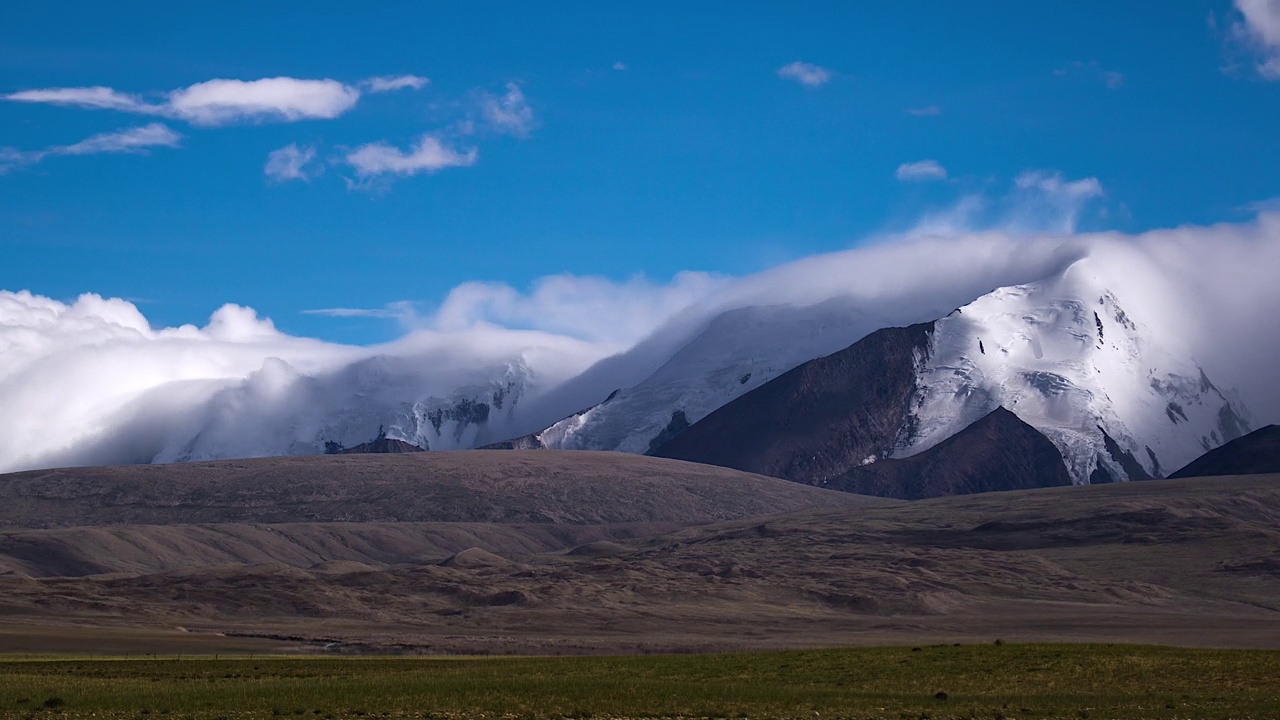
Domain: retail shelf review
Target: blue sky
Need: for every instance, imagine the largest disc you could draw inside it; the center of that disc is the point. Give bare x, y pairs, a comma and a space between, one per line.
641, 139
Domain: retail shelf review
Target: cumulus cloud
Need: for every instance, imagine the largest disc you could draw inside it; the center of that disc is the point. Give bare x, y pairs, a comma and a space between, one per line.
508, 113
391, 83
429, 154
137, 140
920, 171
805, 73
214, 102
1258, 28
291, 163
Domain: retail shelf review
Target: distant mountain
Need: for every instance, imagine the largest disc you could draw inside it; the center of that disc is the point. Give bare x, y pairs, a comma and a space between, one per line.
1255, 453
998, 452
1119, 400
381, 445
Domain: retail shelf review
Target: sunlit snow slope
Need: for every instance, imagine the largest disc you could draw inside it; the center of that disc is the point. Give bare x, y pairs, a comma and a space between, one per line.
1066, 357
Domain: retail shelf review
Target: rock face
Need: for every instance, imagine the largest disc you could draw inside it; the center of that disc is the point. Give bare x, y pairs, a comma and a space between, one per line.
1254, 454
998, 452
815, 422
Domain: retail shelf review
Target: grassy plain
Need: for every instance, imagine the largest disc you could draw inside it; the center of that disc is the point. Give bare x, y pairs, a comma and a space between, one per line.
935, 682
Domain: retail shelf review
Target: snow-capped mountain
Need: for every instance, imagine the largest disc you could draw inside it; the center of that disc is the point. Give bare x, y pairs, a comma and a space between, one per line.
351, 406
1119, 397
737, 352
1066, 358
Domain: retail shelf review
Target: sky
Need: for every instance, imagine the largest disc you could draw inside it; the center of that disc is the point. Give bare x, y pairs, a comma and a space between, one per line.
352, 172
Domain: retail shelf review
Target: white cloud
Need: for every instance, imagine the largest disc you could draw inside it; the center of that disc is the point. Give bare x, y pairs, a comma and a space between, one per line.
508, 113
290, 163
920, 171
619, 65
927, 111
805, 73
138, 140
391, 83
1052, 183
218, 102
1259, 28
429, 154
132, 140
588, 308
97, 98
215, 102
403, 310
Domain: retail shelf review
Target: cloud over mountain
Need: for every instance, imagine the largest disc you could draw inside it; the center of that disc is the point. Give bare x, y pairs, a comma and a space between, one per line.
92, 381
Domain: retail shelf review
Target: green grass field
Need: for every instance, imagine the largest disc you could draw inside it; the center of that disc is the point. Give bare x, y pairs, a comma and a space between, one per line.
987, 681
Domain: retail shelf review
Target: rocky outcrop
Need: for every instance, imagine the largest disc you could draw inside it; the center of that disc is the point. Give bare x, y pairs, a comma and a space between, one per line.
998, 452
1254, 454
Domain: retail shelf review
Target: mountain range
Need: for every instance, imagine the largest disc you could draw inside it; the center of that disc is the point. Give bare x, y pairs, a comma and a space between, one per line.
1055, 381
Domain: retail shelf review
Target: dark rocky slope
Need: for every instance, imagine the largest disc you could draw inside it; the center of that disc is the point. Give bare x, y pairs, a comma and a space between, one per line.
819, 420
1255, 453
998, 452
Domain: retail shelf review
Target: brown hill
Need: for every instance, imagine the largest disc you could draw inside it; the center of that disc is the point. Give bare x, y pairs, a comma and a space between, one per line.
1257, 452
1178, 561
583, 488
998, 452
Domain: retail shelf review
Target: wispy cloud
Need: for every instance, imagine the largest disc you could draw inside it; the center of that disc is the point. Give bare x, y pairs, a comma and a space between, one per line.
806, 74
926, 111
508, 113
214, 102
291, 163
920, 171
391, 83
1112, 79
1258, 28
619, 65
402, 310
137, 140
132, 140
429, 154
